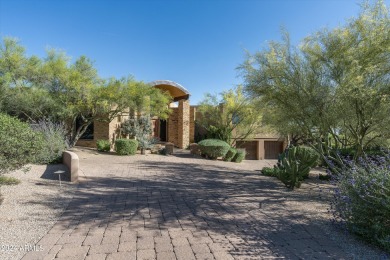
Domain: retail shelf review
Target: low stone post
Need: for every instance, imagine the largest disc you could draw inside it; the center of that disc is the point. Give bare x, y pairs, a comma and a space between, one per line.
169, 148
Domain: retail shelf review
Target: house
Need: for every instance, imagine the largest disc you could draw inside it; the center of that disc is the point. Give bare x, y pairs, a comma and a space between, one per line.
179, 128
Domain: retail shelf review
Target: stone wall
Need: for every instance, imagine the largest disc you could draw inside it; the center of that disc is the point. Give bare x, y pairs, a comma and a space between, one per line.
173, 123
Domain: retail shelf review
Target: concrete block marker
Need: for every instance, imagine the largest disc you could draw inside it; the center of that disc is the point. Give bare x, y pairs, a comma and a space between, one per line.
71, 160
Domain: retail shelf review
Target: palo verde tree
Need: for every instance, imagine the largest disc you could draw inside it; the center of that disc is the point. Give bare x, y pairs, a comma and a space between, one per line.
334, 89
229, 116
54, 88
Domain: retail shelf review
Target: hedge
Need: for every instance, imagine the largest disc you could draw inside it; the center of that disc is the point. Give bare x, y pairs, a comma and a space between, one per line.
213, 148
126, 146
230, 154
239, 156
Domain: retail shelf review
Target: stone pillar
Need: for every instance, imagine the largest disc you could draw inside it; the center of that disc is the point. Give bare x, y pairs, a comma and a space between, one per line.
192, 124
260, 150
173, 123
183, 124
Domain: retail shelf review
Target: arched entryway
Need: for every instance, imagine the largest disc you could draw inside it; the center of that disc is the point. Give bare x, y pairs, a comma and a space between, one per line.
177, 128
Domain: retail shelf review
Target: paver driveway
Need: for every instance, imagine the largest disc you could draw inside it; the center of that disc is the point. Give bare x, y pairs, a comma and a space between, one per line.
180, 207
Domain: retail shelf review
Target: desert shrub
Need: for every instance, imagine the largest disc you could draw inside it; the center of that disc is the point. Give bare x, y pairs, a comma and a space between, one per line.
239, 156
140, 128
54, 141
126, 146
230, 154
5, 180
267, 171
294, 165
213, 148
103, 145
361, 201
19, 144
163, 151
312, 153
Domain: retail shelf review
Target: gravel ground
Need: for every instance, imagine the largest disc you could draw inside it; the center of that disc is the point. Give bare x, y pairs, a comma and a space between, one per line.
29, 209
317, 210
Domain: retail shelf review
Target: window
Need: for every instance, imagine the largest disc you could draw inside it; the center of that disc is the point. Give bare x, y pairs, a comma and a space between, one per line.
88, 134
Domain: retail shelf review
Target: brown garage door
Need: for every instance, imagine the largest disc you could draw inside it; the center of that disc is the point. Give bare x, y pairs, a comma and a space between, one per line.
272, 149
250, 147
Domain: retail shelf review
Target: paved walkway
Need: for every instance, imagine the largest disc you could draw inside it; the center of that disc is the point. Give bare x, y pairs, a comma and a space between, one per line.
180, 207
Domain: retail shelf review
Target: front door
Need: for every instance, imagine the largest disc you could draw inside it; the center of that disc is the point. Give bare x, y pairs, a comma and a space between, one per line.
163, 130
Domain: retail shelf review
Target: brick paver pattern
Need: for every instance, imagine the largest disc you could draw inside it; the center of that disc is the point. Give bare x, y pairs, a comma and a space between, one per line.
181, 207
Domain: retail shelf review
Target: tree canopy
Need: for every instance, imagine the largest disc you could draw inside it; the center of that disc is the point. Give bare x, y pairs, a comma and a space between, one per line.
53, 88
333, 88
229, 116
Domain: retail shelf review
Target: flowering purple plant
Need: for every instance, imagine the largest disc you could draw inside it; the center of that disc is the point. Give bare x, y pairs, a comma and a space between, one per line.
361, 199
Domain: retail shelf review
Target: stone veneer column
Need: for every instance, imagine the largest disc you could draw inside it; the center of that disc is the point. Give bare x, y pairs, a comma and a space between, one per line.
183, 124
192, 123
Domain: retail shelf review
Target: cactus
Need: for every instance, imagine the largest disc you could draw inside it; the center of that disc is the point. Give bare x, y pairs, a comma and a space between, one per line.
294, 165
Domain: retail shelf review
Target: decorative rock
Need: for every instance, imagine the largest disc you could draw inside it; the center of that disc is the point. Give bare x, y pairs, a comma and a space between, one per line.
169, 148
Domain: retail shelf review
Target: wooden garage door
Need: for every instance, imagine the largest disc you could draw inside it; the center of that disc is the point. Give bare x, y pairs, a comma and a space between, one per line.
250, 147
272, 149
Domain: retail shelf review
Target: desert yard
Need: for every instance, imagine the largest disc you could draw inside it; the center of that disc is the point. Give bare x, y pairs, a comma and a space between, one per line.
169, 207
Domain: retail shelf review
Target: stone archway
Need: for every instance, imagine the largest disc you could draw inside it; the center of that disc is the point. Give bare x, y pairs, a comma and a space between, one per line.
179, 122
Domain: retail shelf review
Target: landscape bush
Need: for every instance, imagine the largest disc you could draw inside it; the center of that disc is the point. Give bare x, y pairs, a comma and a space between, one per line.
19, 144
5, 180
239, 156
361, 201
294, 166
213, 148
230, 154
126, 146
53, 142
267, 171
312, 153
103, 145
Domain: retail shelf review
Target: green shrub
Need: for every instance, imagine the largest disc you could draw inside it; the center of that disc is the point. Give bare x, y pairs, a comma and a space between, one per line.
294, 165
126, 146
312, 153
361, 199
230, 154
267, 171
103, 145
162, 151
213, 148
239, 156
53, 142
19, 144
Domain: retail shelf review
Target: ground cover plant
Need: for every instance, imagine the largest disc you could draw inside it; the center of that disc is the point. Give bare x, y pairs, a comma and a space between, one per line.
103, 145
6, 180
